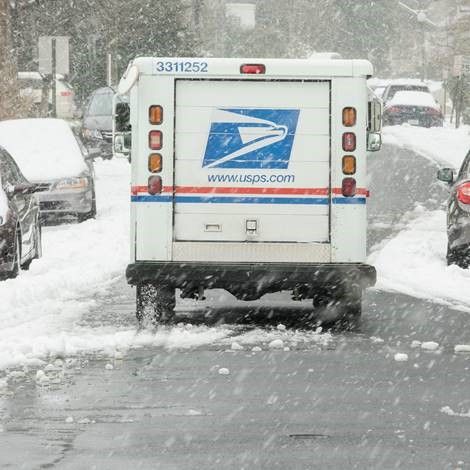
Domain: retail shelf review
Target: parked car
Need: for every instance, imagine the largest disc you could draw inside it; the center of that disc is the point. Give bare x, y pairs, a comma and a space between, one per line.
48, 152
458, 214
403, 85
31, 86
97, 127
20, 228
417, 108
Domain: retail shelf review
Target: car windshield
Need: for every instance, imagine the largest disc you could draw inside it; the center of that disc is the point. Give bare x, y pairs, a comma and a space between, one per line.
101, 104
394, 89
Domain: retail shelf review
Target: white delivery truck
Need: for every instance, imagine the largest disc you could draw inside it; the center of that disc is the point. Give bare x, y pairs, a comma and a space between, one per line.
248, 175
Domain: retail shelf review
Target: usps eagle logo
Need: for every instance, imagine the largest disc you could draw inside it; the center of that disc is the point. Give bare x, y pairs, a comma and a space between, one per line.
251, 138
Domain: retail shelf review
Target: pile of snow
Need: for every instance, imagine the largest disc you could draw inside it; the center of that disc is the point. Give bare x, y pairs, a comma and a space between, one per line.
44, 149
444, 145
39, 308
414, 262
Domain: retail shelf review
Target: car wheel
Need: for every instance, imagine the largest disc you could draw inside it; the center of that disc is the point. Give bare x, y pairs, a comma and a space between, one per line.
92, 213
16, 257
458, 256
37, 246
154, 304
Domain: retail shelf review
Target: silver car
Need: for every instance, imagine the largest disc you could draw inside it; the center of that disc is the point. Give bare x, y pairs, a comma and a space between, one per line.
49, 153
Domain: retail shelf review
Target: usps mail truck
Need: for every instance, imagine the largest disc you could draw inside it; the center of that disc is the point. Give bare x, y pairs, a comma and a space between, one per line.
249, 176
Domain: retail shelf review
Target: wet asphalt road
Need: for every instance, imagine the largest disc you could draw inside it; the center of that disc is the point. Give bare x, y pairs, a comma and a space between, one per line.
341, 403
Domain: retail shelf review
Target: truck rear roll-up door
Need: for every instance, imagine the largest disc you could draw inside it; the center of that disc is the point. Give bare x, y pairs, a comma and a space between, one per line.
252, 161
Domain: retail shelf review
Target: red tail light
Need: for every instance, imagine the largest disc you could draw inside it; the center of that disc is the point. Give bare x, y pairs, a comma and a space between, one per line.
463, 193
433, 112
393, 109
253, 68
349, 141
349, 187
155, 140
154, 185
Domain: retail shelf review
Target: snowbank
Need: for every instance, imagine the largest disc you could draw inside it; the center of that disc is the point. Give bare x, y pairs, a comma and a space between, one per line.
444, 145
79, 261
414, 261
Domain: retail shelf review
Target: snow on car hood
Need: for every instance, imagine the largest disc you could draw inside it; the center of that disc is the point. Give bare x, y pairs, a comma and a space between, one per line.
413, 98
44, 149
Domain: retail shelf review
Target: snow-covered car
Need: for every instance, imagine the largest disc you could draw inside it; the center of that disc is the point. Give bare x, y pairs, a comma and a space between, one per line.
20, 229
49, 153
392, 88
458, 214
417, 108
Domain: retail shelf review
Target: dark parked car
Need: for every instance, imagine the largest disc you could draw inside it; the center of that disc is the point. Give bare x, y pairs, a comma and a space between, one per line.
20, 229
97, 127
417, 108
458, 214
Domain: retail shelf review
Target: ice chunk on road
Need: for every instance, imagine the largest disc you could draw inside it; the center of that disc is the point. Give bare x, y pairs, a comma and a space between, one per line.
462, 348
276, 344
41, 377
109, 367
256, 349
236, 347
224, 371
69, 420
430, 346
401, 357
416, 344
281, 327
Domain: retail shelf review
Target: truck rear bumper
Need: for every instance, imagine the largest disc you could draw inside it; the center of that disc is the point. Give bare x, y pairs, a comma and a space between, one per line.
268, 277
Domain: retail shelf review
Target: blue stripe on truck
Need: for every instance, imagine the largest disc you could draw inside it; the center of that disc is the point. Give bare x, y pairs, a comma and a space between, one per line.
249, 200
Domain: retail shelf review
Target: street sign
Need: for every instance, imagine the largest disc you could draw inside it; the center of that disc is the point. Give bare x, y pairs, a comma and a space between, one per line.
45, 49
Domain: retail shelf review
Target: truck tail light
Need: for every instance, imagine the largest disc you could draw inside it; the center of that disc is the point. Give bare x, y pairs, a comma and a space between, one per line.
349, 117
155, 115
349, 164
155, 140
253, 68
155, 163
349, 187
463, 193
349, 141
154, 185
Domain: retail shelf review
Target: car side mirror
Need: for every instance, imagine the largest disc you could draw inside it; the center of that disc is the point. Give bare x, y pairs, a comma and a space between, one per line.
374, 141
27, 188
446, 175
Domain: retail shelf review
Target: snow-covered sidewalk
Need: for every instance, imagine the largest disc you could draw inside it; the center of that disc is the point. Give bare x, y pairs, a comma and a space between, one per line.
414, 261
79, 261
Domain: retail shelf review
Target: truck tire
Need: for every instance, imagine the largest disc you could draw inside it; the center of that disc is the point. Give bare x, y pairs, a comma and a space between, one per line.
155, 304
342, 310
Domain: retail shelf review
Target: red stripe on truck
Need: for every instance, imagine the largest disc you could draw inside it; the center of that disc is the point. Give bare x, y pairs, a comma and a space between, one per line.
227, 190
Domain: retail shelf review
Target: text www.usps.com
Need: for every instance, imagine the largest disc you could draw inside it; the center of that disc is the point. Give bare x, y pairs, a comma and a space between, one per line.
251, 178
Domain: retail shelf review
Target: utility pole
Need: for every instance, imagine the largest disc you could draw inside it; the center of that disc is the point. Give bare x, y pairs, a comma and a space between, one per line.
7, 64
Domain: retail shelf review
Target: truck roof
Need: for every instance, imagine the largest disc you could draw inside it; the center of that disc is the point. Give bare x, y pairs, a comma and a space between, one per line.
277, 67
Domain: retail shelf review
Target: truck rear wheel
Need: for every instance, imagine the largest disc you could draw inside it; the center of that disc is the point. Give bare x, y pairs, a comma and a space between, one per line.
155, 304
341, 310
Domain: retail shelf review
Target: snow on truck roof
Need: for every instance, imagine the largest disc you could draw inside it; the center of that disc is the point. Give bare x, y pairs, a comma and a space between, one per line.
289, 67
413, 98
